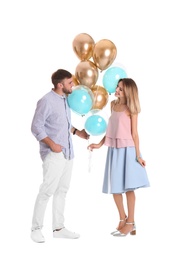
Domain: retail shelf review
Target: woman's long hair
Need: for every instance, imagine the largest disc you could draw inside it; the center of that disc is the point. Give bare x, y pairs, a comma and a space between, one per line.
131, 94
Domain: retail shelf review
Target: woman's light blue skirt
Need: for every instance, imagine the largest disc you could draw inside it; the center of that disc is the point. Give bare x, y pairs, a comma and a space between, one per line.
122, 172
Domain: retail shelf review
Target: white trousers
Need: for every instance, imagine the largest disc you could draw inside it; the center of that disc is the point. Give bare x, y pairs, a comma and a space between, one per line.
56, 181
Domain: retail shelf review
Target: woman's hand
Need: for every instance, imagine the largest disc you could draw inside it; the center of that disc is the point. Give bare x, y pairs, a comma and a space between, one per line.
141, 161
93, 146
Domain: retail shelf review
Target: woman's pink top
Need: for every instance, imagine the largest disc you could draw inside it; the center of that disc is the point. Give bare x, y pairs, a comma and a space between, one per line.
118, 133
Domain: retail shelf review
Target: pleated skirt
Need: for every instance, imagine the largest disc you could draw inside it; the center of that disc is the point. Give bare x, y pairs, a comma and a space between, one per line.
122, 172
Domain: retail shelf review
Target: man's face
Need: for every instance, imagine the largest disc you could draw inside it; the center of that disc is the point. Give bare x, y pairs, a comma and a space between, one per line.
67, 86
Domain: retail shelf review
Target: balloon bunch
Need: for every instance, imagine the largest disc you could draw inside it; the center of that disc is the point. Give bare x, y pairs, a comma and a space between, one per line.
88, 96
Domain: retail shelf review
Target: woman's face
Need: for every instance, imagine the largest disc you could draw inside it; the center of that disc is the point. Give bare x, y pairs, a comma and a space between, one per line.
119, 90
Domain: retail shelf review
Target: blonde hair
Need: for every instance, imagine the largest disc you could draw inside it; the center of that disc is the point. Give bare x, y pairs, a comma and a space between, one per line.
131, 94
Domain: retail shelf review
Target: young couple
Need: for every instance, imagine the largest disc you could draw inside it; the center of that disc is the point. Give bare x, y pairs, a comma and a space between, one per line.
125, 167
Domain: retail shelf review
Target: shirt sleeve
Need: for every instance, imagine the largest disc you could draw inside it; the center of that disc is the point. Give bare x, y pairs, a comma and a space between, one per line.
39, 119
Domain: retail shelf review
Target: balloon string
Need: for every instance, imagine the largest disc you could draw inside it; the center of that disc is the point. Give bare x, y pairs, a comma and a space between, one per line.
89, 159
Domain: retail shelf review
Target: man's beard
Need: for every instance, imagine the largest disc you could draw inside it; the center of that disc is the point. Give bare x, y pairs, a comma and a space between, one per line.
66, 91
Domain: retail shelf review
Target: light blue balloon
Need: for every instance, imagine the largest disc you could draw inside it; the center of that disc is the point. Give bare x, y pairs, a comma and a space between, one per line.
95, 125
111, 78
81, 100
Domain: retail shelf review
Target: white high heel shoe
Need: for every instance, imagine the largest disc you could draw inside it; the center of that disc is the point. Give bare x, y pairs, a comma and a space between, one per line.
116, 231
132, 232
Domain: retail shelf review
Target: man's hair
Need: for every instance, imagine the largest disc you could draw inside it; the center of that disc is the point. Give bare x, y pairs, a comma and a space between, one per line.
60, 75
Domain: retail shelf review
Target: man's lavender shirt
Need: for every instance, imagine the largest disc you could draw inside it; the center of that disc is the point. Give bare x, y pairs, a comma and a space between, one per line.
52, 119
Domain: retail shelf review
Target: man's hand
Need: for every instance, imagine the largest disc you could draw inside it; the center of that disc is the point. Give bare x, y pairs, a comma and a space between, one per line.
82, 134
56, 148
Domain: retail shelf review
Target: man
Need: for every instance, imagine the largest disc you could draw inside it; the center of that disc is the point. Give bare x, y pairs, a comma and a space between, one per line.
52, 127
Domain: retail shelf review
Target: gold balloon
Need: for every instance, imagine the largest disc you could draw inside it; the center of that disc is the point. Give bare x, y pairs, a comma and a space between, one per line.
75, 80
101, 97
104, 53
83, 45
87, 73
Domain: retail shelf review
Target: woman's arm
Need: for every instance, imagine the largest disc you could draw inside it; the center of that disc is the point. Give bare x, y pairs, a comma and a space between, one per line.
135, 136
96, 146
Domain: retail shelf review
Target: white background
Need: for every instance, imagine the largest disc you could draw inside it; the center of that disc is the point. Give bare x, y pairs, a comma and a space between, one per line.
36, 39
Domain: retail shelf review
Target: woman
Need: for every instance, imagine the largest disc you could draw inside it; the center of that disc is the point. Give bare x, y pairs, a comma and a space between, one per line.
125, 168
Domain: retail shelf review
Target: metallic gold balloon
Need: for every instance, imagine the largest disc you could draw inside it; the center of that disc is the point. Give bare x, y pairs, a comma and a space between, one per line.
101, 97
104, 53
75, 80
83, 45
87, 73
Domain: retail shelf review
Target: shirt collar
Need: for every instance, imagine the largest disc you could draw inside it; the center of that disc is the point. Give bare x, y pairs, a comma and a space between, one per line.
60, 96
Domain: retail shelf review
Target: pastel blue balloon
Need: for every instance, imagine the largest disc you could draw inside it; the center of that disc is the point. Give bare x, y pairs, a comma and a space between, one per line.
95, 125
81, 100
111, 78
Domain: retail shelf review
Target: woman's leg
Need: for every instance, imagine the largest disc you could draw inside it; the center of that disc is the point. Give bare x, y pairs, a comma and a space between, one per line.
130, 195
118, 199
